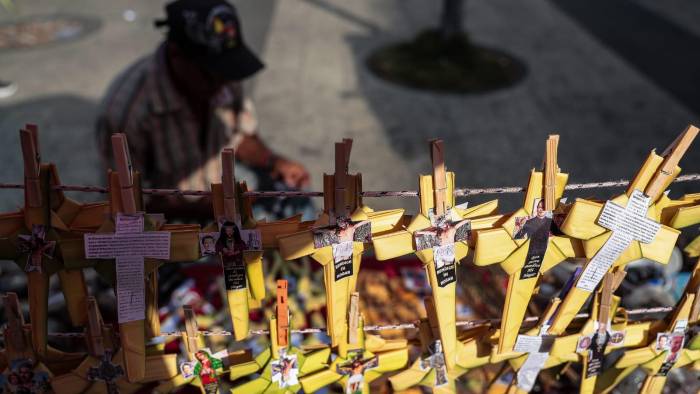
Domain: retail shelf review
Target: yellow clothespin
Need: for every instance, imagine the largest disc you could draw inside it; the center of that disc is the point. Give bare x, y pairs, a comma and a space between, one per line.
191, 334
668, 169
228, 184
122, 160
550, 173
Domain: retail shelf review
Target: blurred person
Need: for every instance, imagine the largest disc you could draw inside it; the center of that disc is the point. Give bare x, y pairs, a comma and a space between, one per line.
183, 104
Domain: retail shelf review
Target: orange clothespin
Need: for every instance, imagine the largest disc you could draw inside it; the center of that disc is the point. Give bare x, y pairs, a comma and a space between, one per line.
353, 318
672, 156
340, 179
32, 164
15, 339
122, 159
550, 173
93, 332
282, 313
228, 182
191, 333
439, 176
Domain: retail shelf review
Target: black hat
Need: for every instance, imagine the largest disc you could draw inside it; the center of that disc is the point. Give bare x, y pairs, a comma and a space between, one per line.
210, 31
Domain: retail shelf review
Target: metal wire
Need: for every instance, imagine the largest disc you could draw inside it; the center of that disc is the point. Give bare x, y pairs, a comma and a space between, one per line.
463, 192
387, 327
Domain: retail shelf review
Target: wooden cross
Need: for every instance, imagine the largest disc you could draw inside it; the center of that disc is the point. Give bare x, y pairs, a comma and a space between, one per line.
334, 241
103, 371
358, 364
657, 359
243, 268
34, 236
439, 236
614, 236
526, 243
281, 366
430, 370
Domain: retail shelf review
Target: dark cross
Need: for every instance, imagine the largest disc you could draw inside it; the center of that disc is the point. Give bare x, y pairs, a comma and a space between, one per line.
36, 246
107, 372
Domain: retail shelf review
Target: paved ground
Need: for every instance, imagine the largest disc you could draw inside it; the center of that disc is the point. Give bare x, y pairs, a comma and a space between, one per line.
614, 78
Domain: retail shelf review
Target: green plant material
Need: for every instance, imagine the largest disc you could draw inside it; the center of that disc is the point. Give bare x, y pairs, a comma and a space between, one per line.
450, 65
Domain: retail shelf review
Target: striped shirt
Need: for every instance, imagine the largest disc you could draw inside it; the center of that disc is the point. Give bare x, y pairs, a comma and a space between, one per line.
167, 143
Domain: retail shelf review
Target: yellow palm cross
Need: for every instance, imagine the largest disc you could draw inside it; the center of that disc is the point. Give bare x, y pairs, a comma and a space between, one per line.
439, 236
337, 239
526, 244
625, 228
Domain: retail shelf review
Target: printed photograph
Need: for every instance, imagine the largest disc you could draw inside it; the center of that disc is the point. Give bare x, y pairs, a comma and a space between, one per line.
207, 243
584, 343
36, 247
538, 225
252, 239
285, 370
22, 377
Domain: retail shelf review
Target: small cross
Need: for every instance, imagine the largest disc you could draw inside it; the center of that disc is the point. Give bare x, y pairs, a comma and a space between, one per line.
36, 247
538, 348
355, 369
129, 245
627, 224
436, 361
107, 372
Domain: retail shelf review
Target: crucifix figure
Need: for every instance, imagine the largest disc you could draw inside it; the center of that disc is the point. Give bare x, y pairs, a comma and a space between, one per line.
36, 247
623, 229
439, 236
360, 359
337, 239
237, 240
355, 369
281, 366
528, 244
436, 361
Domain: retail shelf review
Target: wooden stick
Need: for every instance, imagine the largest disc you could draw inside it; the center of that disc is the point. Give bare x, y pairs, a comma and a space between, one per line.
229, 184
353, 318
191, 330
122, 160
672, 156
30, 156
14, 332
550, 173
282, 313
439, 176
94, 329
605, 302
340, 178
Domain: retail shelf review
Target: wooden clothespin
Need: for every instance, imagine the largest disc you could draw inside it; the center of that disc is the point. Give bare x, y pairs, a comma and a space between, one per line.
282, 313
340, 179
14, 332
191, 330
353, 318
32, 165
94, 334
672, 156
550, 311
550, 173
120, 149
439, 176
228, 182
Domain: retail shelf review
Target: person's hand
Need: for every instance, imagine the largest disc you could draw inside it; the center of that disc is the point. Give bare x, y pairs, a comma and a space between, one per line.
292, 173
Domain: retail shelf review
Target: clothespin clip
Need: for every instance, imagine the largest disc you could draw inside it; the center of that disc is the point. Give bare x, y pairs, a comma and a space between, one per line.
439, 176
32, 165
282, 313
14, 332
228, 184
672, 156
120, 149
191, 333
93, 332
550, 312
550, 173
353, 318
340, 179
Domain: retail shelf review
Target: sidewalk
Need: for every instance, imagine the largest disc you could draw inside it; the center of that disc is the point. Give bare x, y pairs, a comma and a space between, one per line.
317, 90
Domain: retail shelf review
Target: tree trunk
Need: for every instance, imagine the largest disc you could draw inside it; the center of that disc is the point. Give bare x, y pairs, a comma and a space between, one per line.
451, 20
